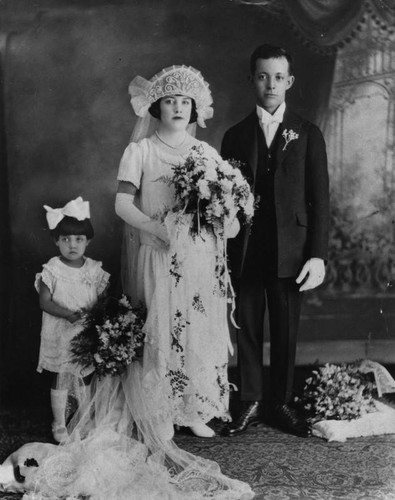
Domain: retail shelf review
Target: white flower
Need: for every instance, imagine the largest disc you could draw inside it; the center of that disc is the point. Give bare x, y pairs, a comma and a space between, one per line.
124, 301
249, 207
210, 170
227, 168
98, 358
216, 208
226, 185
238, 176
229, 204
289, 136
204, 189
104, 337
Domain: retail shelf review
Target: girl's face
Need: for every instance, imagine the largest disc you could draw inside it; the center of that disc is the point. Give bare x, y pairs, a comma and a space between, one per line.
175, 112
72, 249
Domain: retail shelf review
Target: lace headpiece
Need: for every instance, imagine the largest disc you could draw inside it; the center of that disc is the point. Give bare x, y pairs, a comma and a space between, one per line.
175, 80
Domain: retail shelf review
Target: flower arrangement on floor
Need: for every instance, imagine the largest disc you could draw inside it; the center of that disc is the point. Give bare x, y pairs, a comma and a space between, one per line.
112, 336
338, 392
343, 401
211, 189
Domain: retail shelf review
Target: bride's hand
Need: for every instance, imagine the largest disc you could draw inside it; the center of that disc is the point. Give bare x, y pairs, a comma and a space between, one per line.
160, 236
232, 225
158, 243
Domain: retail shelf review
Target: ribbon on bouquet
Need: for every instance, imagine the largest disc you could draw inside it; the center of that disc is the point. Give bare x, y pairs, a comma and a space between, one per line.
228, 287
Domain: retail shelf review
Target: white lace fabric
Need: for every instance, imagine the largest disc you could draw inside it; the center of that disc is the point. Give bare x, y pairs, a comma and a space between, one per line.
118, 453
174, 80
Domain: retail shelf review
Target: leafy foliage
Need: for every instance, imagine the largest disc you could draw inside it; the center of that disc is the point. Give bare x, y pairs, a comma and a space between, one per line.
112, 336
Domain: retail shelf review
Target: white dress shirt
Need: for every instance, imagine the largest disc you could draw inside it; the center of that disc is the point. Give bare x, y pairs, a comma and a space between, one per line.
269, 123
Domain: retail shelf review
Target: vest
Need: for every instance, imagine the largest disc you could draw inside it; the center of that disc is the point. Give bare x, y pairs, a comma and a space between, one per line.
262, 246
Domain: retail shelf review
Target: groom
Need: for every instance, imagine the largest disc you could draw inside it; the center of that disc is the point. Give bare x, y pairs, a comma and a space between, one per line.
283, 252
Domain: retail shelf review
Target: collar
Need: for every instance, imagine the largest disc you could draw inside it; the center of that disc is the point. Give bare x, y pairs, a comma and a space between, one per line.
265, 117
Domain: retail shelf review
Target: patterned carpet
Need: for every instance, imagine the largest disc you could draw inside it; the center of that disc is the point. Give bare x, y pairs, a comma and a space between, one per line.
283, 467
278, 466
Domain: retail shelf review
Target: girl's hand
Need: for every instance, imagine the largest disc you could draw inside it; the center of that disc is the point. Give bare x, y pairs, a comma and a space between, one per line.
74, 317
51, 307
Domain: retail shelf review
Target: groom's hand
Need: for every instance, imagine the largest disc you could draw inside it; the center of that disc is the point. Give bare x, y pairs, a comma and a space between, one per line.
313, 273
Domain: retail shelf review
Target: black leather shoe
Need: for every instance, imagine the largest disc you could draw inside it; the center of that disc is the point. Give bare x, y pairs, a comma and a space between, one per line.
286, 419
251, 415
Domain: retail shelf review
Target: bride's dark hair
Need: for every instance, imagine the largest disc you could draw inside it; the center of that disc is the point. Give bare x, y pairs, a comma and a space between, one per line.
154, 110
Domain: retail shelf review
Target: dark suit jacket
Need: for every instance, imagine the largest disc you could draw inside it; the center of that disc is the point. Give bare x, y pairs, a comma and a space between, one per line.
301, 191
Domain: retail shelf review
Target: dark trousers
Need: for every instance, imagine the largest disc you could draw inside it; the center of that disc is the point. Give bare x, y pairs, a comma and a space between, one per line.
282, 299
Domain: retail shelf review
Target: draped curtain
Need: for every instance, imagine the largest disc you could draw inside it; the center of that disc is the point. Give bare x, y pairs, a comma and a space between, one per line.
327, 24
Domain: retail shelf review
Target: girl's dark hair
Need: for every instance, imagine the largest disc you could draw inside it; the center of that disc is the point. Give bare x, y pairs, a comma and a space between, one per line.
71, 225
154, 110
267, 51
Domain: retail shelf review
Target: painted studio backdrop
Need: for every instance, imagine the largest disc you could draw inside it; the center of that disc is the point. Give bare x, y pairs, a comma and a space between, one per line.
66, 119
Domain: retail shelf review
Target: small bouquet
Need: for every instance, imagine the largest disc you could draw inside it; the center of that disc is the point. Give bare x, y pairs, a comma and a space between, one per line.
211, 189
338, 392
112, 336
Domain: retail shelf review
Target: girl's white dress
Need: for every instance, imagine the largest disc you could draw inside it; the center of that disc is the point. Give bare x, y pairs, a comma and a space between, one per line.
73, 288
186, 292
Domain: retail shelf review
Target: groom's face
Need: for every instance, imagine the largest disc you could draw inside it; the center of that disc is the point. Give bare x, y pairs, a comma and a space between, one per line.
270, 82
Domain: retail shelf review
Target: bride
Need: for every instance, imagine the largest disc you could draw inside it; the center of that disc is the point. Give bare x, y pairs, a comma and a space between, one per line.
120, 445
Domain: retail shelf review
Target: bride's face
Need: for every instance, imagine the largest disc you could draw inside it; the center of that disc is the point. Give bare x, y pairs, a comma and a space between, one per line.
175, 112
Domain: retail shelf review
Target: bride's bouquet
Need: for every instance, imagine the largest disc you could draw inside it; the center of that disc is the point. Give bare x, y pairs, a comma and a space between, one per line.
211, 189
112, 336
338, 392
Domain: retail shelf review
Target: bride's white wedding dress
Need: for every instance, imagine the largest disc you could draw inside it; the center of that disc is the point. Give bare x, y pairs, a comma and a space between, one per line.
120, 445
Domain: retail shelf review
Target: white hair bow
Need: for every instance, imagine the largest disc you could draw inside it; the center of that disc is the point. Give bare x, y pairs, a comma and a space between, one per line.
78, 208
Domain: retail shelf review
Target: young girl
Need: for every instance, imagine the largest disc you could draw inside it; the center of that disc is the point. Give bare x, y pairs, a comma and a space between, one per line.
67, 284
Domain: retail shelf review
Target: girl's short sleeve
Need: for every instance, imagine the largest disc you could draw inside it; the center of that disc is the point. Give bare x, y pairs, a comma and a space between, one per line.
102, 282
47, 277
131, 166
97, 275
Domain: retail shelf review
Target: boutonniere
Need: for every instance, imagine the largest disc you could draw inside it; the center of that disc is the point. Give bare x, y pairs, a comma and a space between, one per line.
289, 135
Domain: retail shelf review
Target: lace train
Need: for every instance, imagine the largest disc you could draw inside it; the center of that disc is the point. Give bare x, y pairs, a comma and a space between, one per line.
114, 453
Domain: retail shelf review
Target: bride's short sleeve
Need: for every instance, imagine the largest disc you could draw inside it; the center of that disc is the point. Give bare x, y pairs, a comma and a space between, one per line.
131, 166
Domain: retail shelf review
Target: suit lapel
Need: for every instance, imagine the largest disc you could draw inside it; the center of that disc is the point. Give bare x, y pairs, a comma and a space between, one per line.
251, 143
290, 124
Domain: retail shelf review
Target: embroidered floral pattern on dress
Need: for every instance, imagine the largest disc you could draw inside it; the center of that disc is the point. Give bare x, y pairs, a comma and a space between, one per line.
197, 304
178, 329
220, 273
175, 268
222, 380
178, 382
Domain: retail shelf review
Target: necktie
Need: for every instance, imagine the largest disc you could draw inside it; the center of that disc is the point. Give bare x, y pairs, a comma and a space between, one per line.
270, 126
